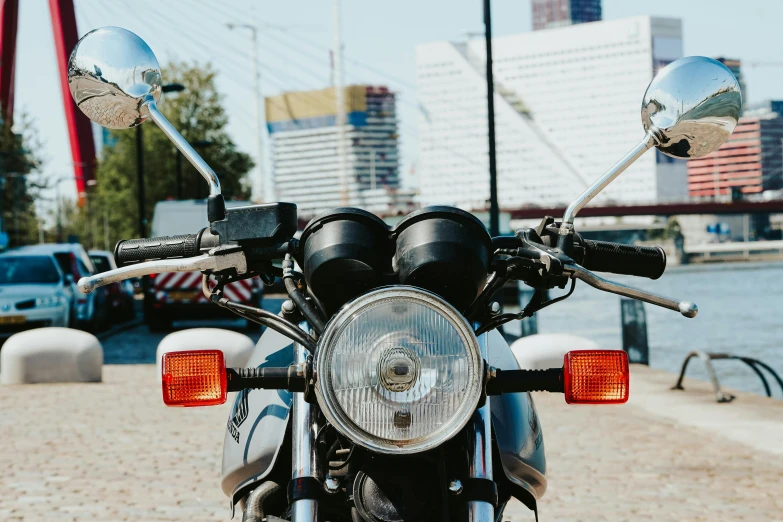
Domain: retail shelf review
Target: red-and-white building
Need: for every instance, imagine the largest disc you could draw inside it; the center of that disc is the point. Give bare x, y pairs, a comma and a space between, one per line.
751, 160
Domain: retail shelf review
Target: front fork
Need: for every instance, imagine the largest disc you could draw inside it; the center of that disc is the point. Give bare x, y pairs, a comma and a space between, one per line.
480, 451
304, 457
305, 462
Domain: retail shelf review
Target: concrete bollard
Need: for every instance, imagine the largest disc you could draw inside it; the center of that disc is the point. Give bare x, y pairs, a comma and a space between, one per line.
543, 351
51, 355
234, 345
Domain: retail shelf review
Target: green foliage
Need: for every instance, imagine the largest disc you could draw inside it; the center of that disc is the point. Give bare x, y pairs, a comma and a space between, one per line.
198, 115
18, 188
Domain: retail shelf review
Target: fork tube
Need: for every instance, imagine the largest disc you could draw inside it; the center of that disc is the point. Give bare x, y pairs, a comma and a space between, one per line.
480, 452
304, 430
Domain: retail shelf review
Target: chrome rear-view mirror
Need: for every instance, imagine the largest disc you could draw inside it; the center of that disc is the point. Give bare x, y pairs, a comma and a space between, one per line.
115, 80
689, 110
691, 107
112, 73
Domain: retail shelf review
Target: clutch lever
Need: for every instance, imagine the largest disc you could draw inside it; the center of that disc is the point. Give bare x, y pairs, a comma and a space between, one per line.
213, 263
575, 271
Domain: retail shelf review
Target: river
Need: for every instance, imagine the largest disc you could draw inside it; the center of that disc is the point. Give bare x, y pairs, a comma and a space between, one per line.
740, 312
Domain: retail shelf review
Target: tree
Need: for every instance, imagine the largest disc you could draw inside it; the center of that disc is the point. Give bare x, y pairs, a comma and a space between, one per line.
18, 189
198, 115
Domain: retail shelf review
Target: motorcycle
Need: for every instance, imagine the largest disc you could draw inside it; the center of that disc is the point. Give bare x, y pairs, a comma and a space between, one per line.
382, 391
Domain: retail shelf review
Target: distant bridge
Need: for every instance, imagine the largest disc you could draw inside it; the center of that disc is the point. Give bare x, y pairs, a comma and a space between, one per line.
666, 209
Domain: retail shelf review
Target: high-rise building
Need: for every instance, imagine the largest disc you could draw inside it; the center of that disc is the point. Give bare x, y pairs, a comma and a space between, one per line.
306, 163
557, 13
567, 107
751, 160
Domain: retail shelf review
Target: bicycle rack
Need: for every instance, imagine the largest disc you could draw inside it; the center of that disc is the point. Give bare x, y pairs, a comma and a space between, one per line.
707, 358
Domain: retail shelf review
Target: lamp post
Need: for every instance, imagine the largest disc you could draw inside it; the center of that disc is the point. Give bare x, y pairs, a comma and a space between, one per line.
90, 183
494, 210
140, 195
262, 193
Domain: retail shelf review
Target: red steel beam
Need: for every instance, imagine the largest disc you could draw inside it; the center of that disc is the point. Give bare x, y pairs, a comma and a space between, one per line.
79, 127
9, 17
667, 209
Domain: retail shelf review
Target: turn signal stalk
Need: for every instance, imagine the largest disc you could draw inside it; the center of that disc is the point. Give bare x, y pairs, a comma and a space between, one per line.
587, 377
200, 378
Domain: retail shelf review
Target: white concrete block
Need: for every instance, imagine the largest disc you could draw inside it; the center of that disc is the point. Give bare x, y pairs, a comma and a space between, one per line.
542, 351
51, 355
235, 346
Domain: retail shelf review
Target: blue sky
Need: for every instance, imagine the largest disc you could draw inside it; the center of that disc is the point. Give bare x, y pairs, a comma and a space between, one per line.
379, 42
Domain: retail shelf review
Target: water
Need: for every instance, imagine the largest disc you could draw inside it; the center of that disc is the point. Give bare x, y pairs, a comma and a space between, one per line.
740, 312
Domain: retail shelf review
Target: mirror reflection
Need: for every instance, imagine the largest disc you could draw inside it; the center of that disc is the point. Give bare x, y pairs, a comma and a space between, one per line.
111, 73
692, 107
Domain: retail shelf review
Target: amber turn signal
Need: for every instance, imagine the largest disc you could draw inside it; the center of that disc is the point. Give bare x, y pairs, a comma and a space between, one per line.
596, 377
194, 378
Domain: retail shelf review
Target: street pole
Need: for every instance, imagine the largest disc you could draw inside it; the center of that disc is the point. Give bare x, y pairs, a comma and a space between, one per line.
59, 212
340, 99
140, 180
494, 210
262, 190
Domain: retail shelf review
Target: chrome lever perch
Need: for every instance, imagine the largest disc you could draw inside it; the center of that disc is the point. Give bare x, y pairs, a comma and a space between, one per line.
686, 308
205, 262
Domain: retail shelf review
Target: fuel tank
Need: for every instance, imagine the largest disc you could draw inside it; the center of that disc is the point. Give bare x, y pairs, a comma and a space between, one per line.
257, 424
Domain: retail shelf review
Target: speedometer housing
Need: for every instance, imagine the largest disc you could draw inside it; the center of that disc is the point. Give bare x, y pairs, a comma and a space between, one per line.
399, 371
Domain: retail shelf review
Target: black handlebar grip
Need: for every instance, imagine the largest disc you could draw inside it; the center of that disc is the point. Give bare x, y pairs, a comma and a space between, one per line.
164, 247
618, 258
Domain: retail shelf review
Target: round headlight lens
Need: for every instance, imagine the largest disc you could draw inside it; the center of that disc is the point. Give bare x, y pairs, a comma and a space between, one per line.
399, 371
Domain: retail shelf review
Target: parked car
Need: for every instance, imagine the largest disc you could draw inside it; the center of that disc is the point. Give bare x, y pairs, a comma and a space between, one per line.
177, 295
34, 293
120, 294
92, 311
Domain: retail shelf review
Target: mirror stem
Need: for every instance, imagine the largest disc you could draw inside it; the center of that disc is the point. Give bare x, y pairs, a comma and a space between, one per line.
567, 226
216, 205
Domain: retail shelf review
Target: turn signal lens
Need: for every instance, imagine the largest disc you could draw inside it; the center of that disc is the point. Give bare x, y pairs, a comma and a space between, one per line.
195, 378
596, 377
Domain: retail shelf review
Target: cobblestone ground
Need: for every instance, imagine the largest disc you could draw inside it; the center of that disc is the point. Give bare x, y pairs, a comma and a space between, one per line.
620, 463
108, 452
112, 451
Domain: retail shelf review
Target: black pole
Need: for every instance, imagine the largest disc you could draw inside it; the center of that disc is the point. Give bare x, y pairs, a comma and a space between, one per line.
179, 174
140, 180
494, 210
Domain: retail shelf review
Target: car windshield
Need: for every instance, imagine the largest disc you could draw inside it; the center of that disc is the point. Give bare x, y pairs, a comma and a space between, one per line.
17, 270
101, 263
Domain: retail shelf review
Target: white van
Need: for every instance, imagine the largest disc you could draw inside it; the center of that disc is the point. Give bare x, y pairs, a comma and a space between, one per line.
177, 295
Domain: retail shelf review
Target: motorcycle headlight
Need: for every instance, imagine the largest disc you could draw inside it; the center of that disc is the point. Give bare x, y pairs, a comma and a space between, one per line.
399, 371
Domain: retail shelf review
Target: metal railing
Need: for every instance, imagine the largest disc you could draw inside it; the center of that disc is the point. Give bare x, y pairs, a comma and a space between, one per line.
707, 358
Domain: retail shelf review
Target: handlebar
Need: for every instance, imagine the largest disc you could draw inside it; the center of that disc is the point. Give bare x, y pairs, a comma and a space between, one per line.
619, 258
129, 251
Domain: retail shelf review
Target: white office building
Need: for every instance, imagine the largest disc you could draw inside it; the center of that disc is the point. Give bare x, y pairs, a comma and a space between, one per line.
567, 107
305, 157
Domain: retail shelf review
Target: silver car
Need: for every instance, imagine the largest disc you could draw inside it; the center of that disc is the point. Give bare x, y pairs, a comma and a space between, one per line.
91, 310
34, 293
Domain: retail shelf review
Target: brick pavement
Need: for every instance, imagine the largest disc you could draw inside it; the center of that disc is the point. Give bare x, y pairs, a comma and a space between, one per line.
112, 451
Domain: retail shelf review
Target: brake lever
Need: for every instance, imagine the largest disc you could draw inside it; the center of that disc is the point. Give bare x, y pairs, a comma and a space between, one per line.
202, 263
575, 271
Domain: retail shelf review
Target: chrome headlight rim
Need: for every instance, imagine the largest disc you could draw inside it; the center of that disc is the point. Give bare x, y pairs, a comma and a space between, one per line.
333, 411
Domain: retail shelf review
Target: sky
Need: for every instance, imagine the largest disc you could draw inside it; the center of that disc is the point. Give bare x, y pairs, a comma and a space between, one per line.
379, 41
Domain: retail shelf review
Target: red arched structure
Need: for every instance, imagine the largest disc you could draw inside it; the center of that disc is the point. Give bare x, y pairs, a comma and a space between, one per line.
65, 38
